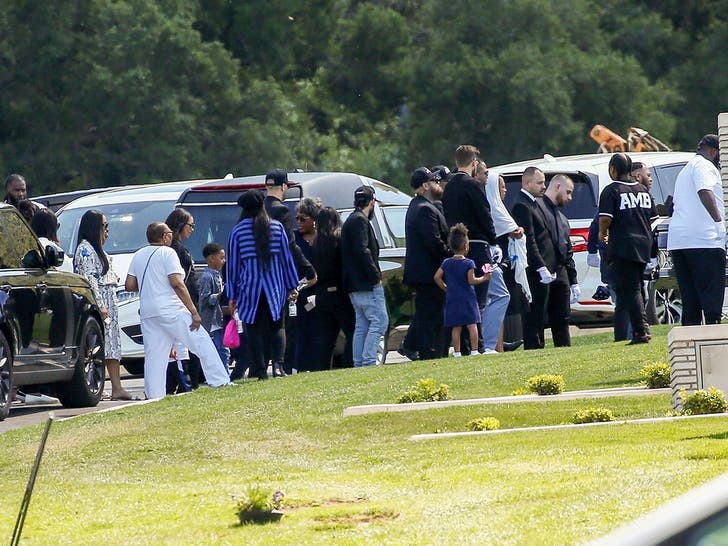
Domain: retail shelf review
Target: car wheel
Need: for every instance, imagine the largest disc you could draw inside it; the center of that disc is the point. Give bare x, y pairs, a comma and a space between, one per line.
135, 366
87, 384
6, 377
667, 306
382, 349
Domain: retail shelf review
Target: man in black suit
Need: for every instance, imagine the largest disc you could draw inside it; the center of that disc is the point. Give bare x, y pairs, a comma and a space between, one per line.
463, 201
426, 235
551, 272
363, 278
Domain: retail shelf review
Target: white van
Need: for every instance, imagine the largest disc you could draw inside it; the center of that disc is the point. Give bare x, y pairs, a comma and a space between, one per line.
129, 211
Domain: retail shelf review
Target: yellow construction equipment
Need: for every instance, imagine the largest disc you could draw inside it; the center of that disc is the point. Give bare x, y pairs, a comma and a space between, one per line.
638, 140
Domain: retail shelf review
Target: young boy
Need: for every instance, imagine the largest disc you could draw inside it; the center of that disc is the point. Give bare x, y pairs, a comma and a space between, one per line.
211, 288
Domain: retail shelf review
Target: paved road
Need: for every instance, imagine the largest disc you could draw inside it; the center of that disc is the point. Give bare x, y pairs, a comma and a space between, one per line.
23, 416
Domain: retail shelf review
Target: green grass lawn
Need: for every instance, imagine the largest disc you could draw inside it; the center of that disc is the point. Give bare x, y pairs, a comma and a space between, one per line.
163, 473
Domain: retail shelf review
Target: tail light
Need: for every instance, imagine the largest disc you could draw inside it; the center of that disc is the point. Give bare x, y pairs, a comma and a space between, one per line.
579, 237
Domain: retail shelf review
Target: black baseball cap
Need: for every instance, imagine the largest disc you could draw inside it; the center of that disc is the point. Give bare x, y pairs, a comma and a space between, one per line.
709, 140
420, 176
276, 177
440, 172
363, 194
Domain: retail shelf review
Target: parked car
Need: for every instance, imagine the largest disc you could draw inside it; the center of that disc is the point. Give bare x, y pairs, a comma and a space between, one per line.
214, 207
129, 211
50, 325
591, 176
696, 518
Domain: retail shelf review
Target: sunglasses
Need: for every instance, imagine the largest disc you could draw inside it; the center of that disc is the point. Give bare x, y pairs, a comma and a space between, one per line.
300, 218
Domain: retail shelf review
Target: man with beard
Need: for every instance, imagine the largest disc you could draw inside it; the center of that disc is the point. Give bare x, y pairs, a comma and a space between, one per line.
16, 190
464, 202
426, 235
549, 257
363, 278
696, 236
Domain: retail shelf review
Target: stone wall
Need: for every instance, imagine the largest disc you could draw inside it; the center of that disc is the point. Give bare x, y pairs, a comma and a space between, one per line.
698, 359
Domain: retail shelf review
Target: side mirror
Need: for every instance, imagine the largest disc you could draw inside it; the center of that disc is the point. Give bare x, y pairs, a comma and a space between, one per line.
54, 256
33, 260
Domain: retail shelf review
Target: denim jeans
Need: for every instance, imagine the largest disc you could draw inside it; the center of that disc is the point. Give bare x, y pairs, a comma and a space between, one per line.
372, 322
495, 309
223, 351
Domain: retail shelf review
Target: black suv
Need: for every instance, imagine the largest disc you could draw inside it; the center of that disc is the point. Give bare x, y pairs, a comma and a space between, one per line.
214, 207
50, 329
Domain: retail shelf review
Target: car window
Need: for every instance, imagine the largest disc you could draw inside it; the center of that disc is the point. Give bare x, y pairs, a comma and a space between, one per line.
663, 185
127, 225
213, 224
394, 217
16, 240
583, 203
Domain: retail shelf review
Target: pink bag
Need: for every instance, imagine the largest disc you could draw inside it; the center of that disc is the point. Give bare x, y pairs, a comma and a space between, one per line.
231, 338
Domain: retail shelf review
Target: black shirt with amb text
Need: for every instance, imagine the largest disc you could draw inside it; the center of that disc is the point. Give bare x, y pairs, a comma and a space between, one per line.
631, 208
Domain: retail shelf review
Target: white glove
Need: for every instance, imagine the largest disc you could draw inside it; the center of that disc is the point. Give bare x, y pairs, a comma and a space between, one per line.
652, 265
575, 293
546, 276
496, 253
593, 260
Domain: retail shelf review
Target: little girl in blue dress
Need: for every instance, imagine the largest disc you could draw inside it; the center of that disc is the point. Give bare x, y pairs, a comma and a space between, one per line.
456, 276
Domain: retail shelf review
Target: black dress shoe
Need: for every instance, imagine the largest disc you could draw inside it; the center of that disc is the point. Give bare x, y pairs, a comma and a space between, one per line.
278, 371
512, 346
637, 340
412, 355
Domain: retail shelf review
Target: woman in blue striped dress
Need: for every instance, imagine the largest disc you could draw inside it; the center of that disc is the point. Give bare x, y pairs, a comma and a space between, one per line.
261, 276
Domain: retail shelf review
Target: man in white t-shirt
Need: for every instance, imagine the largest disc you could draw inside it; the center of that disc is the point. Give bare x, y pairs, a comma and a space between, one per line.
167, 313
696, 237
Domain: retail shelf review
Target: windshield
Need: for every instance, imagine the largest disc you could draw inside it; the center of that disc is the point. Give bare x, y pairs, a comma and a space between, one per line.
127, 225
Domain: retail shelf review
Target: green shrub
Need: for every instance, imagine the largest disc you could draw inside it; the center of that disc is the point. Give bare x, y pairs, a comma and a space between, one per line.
426, 390
259, 499
483, 423
702, 401
546, 384
656, 375
592, 415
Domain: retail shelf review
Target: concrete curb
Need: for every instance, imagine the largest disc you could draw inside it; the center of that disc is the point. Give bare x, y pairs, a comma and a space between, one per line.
575, 395
432, 436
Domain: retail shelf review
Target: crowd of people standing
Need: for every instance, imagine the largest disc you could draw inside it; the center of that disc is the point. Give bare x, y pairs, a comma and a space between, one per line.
469, 259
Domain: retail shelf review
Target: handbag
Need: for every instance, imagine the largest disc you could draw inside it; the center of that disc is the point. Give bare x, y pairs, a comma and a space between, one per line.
231, 338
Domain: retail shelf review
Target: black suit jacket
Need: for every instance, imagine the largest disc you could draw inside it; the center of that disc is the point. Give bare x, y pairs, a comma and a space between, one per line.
558, 227
360, 253
464, 201
278, 211
426, 235
542, 245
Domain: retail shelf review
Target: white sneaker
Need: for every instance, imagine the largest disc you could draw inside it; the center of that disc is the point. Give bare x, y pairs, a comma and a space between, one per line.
489, 352
40, 400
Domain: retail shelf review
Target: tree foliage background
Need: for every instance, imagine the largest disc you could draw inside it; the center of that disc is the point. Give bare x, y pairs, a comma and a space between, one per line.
108, 92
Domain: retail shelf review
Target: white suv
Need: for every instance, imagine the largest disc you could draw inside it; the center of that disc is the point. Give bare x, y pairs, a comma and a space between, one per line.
590, 175
129, 211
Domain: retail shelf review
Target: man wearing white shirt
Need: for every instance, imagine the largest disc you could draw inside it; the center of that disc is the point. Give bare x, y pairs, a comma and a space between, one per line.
696, 236
167, 313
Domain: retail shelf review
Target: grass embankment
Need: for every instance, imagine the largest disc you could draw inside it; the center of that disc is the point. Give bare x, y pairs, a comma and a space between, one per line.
163, 473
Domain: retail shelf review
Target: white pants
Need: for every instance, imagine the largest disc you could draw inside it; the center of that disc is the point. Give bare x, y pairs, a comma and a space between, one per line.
160, 333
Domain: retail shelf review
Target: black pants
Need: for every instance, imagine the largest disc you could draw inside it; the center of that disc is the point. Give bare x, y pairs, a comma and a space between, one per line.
701, 279
548, 300
306, 330
627, 279
335, 314
429, 335
265, 337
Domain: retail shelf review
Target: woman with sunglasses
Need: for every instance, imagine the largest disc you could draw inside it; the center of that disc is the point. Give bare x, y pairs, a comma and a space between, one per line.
182, 225
92, 262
